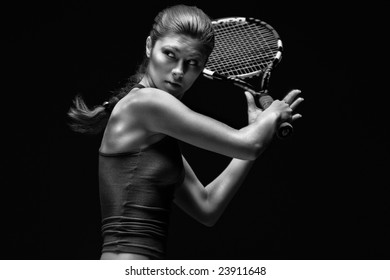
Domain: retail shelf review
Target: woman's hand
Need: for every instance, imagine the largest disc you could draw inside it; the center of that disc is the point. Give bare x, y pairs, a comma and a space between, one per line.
283, 108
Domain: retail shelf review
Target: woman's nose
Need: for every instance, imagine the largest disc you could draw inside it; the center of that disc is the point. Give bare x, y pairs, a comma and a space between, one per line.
178, 71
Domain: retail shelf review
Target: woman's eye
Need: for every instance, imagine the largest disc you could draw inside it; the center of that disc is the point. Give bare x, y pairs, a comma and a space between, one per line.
193, 62
170, 54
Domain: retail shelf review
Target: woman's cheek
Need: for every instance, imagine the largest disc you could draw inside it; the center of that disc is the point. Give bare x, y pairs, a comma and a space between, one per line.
161, 63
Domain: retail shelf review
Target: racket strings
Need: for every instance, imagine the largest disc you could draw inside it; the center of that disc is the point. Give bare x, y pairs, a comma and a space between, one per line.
242, 48
245, 45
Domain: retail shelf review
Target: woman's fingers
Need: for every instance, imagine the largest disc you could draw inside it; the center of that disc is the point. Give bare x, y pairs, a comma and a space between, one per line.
295, 117
296, 103
291, 96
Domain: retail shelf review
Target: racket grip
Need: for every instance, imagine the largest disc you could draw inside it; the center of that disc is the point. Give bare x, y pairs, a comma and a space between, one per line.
285, 129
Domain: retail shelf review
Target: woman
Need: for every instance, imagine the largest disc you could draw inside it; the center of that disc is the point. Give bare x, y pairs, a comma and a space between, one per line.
141, 168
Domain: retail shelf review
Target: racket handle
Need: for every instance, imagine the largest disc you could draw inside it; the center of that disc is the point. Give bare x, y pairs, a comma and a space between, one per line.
285, 129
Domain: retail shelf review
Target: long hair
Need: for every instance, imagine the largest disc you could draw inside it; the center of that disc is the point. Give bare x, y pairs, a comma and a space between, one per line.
179, 19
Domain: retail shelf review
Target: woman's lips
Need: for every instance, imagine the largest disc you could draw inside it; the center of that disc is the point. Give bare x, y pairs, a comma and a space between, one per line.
173, 84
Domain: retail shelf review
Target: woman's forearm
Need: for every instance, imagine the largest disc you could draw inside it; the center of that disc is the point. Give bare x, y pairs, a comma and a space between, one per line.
259, 134
221, 190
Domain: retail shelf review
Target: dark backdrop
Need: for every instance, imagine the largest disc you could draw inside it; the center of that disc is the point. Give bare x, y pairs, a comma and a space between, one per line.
322, 194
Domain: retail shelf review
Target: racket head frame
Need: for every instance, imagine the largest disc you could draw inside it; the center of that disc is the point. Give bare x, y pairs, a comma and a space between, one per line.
255, 68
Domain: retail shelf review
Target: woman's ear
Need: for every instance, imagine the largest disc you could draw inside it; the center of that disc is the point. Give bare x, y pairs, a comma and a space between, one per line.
148, 46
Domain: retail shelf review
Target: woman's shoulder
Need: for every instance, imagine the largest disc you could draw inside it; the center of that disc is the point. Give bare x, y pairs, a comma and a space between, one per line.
148, 94
126, 129
140, 101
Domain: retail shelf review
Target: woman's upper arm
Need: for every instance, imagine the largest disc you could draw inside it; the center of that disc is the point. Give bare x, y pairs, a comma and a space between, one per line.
191, 196
163, 113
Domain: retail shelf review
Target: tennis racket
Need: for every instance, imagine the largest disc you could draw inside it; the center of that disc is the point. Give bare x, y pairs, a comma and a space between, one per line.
246, 48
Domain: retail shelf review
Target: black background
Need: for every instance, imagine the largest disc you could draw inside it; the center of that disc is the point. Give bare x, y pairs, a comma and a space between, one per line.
322, 194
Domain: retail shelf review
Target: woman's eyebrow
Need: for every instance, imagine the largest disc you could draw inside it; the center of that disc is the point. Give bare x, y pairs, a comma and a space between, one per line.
194, 53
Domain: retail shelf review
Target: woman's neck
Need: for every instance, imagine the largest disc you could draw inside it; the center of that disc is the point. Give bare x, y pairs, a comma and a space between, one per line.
147, 82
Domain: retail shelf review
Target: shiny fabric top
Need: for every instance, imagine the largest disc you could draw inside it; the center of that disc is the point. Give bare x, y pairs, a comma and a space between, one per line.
136, 192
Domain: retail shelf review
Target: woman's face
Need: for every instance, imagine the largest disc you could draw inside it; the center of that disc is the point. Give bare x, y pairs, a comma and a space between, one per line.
175, 62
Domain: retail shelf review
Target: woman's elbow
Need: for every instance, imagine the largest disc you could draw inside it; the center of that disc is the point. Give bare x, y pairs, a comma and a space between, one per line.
208, 218
208, 221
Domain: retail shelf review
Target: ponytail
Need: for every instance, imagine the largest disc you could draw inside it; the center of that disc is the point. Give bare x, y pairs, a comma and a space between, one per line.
86, 120
93, 120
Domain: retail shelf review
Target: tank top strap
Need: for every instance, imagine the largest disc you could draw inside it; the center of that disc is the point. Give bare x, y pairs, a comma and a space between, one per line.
138, 86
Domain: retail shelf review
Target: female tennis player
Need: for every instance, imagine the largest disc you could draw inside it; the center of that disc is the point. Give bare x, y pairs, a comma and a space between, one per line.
141, 168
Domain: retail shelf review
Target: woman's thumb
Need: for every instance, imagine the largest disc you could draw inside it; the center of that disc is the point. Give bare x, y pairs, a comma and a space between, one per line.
251, 100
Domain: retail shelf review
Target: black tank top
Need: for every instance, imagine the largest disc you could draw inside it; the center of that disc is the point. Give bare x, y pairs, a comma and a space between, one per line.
136, 192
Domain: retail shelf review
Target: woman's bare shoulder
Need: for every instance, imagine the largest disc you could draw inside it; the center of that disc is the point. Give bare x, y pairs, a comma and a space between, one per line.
126, 128
146, 97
